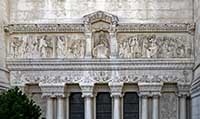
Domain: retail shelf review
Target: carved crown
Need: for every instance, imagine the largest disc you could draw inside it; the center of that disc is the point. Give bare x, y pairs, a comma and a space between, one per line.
100, 16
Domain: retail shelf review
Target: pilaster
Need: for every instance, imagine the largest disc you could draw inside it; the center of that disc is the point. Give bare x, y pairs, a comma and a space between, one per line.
51, 91
87, 94
116, 93
150, 90
183, 93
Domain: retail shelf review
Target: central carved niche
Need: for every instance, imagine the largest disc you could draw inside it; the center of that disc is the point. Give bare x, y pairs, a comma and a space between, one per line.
101, 45
101, 26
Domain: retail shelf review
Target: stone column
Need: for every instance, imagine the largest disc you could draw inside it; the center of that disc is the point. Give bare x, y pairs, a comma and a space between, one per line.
50, 108
87, 94
67, 105
183, 107
184, 91
60, 108
144, 106
56, 91
150, 89
116, 93
155, 110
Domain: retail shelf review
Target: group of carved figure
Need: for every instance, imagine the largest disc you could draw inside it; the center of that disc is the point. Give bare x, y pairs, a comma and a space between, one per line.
151, 46
66, 46
31, 46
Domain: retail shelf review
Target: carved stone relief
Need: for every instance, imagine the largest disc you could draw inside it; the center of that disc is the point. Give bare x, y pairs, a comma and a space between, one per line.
70, 46
55, 77
154, 46
30, 46
46, 46
101, 43
168, 106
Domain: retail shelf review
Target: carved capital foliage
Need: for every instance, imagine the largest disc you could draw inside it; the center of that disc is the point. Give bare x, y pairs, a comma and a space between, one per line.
116, 88
55, 77
87, 89
52, 90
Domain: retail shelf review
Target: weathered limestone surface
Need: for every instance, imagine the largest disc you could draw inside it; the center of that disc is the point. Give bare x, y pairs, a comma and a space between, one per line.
196, 80
57, 11
3, 21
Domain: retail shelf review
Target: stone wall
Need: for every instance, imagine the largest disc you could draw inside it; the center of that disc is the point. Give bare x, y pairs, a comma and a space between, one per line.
137, 11
3, 21
196, 81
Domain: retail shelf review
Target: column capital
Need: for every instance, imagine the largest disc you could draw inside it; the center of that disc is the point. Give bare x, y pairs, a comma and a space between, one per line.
183, 89
116, 88
87, 89
150, 89
53, 90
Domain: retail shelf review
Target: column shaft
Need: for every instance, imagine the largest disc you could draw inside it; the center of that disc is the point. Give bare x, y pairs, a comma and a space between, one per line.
144, 107
67, 107
116, 108
155, 108
50, 112
183, 107
60, 108
88, 107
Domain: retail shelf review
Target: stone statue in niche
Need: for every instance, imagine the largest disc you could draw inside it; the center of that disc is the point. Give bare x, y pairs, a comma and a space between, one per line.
61, 43
101, 45
152, 46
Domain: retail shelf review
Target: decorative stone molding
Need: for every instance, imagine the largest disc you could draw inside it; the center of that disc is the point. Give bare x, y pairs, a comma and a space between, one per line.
43, 28
100, 15
152, 27
103, 64
87, 89
116, 88
184, 89
128, 27
150, 89
23, 77
52, 90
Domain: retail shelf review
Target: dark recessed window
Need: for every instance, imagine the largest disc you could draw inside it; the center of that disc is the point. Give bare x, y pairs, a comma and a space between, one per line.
103, 106
76, 106
131, 105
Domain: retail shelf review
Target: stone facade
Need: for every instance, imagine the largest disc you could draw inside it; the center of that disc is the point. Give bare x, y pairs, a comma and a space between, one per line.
4, 83
55, 47
196, 81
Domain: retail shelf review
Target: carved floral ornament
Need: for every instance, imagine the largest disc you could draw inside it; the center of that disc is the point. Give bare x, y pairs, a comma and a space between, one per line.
21, 78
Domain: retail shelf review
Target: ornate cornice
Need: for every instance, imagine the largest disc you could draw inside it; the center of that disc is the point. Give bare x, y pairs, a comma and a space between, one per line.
152, 27
43, 28
100, 64
123, 27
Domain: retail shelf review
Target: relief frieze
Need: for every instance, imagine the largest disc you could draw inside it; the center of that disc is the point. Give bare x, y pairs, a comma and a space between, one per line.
154, 46
46, 46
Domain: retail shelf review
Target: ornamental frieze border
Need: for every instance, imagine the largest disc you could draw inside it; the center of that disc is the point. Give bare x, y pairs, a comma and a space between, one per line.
125, 27
20, 78
100, 65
